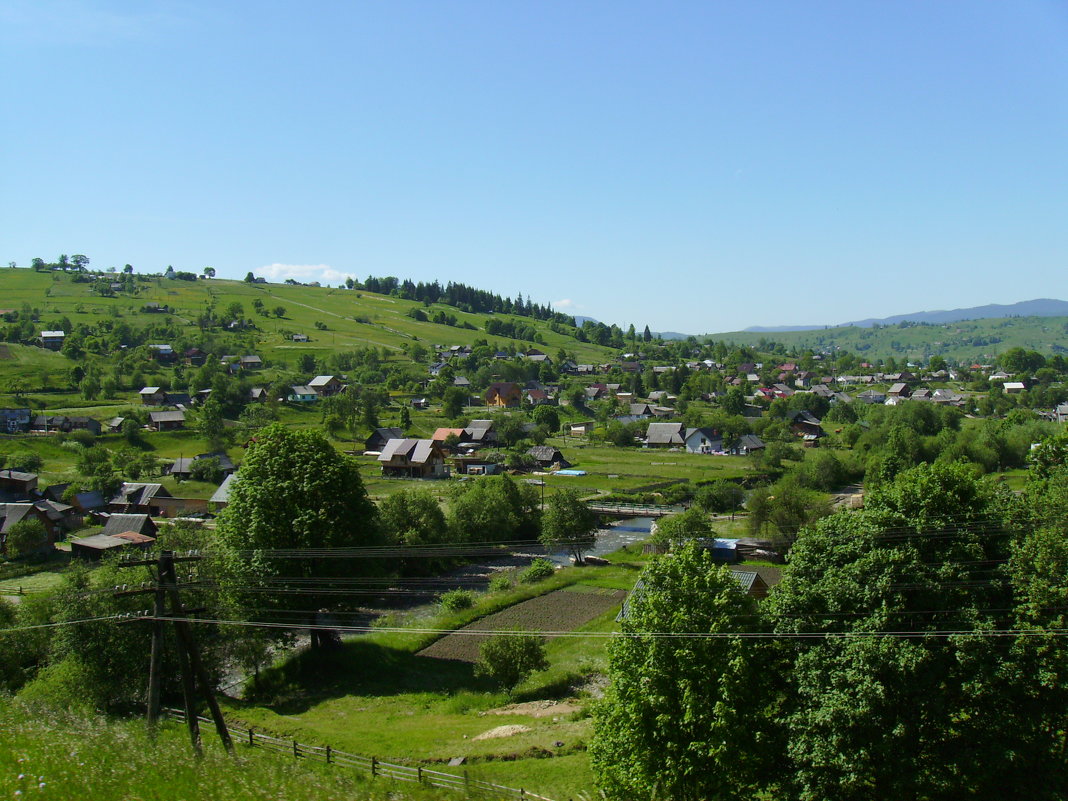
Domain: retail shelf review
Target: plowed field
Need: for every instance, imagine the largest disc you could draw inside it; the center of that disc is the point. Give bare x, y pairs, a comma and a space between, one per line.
562, 610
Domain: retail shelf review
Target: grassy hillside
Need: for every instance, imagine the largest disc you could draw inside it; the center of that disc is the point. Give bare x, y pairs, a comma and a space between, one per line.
50, 754
352, 318
966, 341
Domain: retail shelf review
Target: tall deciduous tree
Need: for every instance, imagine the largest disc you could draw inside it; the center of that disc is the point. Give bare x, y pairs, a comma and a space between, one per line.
924, 716
568, 523
681, 717
296, 492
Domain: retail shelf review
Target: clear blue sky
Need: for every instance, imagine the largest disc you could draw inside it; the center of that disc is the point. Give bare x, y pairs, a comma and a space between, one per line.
693, 166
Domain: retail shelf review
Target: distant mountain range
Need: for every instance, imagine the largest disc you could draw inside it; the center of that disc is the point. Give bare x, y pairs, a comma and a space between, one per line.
1042, 307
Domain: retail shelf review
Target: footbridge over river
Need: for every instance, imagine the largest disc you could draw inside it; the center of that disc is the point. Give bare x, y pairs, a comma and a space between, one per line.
631, 509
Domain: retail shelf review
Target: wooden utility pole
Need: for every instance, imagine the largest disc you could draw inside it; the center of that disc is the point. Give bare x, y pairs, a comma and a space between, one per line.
189, 662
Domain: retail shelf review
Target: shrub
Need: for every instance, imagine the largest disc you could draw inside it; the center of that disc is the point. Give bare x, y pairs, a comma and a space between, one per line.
500, 583
510, 658
456, 600
539, 570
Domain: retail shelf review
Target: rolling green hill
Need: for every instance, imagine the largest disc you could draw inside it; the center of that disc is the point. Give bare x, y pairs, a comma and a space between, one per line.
965, 341
352, 319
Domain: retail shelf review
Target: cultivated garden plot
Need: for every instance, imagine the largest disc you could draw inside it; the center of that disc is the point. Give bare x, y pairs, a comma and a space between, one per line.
562, 610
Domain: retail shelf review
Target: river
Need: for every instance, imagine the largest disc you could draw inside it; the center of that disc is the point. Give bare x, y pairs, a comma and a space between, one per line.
623, 532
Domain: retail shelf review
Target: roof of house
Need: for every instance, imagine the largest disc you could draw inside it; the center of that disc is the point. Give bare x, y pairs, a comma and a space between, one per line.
321, 380
182, 465
100, 542
387, 434
177, 416
749, 442
664, 434
443, 433
139, 494
90, 500
545, 453
12, 513
119, 523
302, 390
222, 494
416, 451
17, 475
149, 391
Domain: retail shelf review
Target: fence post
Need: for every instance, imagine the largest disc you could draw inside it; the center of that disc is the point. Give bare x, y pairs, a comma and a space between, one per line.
296, 749
250, 741
374, 767
419, 774
328, 755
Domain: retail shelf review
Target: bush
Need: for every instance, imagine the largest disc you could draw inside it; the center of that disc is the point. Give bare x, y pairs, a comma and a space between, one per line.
500, 583
539, 570
456, 600
510, 658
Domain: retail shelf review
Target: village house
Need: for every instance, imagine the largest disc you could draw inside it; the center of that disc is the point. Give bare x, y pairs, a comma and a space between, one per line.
195, 357
703, 440
548, 457
53, 340
138, 498
302, 394
413, 458
167, 421
503, 394
582, 428
380, 436
153, 396
15, 421
806, 425
326, 385
11, 514
18, 484
664, 435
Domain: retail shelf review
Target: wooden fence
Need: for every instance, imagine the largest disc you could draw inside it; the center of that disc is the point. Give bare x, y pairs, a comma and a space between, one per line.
372, 765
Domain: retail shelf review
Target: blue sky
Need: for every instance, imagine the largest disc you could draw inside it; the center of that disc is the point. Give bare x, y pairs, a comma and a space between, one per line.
697, 167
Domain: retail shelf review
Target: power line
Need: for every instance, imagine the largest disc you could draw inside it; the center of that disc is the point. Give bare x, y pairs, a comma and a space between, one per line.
1060, 632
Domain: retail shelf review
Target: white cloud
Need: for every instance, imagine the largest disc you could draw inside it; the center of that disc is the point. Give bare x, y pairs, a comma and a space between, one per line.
305, 273
566, 303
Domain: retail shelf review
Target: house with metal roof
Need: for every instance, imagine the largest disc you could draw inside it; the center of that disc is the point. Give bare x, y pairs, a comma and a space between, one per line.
413, 458
665, 435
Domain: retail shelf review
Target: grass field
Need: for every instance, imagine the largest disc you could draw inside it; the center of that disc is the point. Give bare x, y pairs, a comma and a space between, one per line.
51, 754
380, 696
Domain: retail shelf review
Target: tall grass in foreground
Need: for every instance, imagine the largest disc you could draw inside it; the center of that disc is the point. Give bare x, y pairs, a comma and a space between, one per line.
60, 755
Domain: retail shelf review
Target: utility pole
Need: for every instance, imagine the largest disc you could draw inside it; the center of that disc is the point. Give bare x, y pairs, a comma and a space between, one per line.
189, 662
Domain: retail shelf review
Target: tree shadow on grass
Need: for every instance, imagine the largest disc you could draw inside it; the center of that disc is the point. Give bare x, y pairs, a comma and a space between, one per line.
359, 667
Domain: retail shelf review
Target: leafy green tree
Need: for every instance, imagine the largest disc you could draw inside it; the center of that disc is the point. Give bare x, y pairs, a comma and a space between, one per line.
89, 387
509, 658
916, 717
676, 530
453, 403
569, 524
493, 509
684, 715
720, 496
210, 423
279, 311
296, 493
25, 538
548, 417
